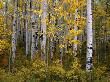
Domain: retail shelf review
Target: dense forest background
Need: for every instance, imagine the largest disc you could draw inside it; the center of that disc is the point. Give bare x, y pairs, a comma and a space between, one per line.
48, 40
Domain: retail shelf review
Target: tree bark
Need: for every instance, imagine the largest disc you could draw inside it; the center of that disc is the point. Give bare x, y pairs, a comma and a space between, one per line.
33, 32
14, 32
26, 22
89, 37
43, 28
76, 29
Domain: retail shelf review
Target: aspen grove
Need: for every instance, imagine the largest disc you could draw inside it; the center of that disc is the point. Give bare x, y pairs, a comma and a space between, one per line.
54, 40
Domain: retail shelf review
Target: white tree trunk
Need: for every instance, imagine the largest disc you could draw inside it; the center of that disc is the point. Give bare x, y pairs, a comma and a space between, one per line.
5, 12
33, 32
17, 20
26, 22
14, 33
76, 29
29, 29
43, 28
37, 29
51, 48
89, 37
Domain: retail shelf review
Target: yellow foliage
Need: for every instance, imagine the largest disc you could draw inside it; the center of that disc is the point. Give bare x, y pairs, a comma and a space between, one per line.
74, 42
99, 71
51, 31
76, 65
70, 75
61, 46
1, 4
38, 12
23, 73
4, 46
75, 32
38, 68
57, 71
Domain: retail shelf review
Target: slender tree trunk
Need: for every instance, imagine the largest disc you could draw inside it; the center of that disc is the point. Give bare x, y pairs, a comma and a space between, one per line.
60, 34
33, 32
37, 29
18, 26
5, 12
26, 22
17, 20
14, 32
89, 37
43, 28
29, 24
76, 29
51, 48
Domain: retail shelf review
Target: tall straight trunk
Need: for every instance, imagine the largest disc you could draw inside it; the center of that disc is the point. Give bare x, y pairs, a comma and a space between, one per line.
5, 12
14, 32
17, 20
18, 25
61, 42
33, 31
76, 28
29, 31
26, 23
43, 28
89, 37
51, 48
51, 38
23, 23
37, 29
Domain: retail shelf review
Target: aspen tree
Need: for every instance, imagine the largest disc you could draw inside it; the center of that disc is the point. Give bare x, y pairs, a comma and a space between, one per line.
89, 37
76, 29
61, 42
29, 29
52, 38
26, 22
14, 31
33, 31
17, 20
37, 26
5, 12
43, 28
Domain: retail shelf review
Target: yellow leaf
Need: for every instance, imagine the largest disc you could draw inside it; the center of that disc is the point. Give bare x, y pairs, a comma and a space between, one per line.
61, 46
